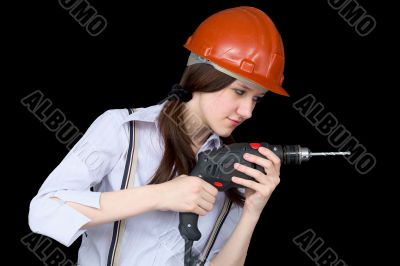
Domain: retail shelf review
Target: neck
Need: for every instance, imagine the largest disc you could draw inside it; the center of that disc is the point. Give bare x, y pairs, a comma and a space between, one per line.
197, 144
196, 129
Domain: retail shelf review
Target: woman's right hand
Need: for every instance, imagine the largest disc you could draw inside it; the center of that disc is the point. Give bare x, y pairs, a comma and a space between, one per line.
187, 194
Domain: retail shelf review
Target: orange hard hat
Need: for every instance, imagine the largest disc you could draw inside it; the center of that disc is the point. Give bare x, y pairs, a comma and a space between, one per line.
242, 42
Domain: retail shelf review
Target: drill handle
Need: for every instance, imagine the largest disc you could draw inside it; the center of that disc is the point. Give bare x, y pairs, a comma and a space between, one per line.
188, 226
188, 221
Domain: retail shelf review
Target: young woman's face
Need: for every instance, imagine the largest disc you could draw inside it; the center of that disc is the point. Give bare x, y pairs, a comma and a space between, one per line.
222, 111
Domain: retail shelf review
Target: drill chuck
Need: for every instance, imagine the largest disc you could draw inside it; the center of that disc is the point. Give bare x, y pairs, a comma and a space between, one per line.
294, 154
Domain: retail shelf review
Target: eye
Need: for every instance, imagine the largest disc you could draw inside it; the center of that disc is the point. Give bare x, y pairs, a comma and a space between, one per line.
257, 99
238, 91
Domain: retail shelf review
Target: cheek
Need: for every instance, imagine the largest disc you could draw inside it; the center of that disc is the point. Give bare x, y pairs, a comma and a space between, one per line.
218, 107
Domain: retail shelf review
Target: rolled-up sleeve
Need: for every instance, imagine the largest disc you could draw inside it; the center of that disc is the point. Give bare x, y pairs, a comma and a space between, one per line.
89, 161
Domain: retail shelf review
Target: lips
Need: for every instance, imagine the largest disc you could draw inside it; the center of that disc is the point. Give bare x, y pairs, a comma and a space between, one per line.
235, 122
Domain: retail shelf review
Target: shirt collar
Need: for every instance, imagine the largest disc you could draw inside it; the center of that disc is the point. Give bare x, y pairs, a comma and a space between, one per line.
213, 142
146, 114
151, 114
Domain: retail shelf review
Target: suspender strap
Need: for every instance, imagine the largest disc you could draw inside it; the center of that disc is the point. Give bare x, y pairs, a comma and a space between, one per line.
214, 233
127, 182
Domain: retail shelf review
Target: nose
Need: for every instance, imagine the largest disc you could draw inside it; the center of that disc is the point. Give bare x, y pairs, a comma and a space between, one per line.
245, 108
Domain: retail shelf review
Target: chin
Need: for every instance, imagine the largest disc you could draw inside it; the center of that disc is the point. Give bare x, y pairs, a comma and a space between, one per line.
223, 132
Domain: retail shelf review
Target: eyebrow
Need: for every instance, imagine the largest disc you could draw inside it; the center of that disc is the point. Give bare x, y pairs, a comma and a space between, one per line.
248, 88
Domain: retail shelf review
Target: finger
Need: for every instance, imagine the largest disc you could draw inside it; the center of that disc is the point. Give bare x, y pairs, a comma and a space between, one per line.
258, 160
256, 174
208, 197
270, 155
247, 183
210, 189
205, 205
206, 186
200, 211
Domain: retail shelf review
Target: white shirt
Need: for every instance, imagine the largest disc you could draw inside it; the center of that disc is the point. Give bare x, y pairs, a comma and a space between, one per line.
98, 159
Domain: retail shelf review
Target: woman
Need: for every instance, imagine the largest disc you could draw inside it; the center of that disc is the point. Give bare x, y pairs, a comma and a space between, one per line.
236, 57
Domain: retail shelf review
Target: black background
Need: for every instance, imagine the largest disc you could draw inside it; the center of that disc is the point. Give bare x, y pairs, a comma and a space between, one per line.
136, 59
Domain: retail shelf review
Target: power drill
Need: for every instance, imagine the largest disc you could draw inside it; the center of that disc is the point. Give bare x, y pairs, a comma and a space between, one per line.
216, 167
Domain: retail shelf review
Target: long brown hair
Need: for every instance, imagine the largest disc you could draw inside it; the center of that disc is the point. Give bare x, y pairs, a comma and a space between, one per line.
179, 157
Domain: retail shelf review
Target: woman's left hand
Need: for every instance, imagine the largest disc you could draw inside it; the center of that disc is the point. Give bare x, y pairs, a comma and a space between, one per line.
258, 193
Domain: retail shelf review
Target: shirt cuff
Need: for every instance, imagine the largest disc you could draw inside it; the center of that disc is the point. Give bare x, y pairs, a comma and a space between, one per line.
57, 220
87, 198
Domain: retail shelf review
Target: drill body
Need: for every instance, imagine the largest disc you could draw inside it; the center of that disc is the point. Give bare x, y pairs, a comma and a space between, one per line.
216, 167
